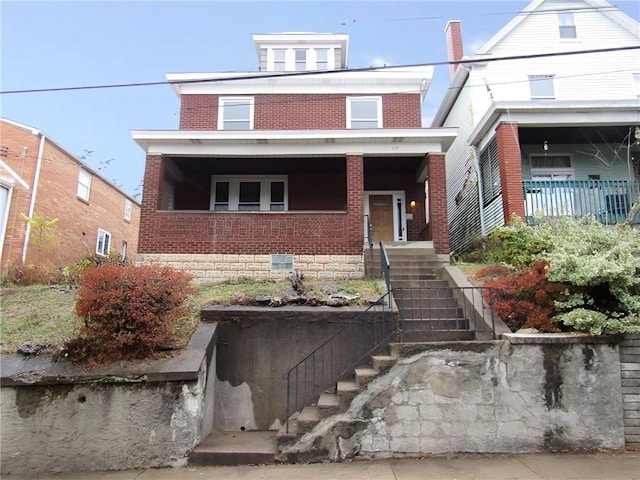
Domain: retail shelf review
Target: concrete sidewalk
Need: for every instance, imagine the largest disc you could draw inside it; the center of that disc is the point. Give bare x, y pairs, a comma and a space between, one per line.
563, 466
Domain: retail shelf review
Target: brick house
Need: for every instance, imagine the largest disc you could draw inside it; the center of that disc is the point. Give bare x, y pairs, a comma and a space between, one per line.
281, 168
40, 178
556, 135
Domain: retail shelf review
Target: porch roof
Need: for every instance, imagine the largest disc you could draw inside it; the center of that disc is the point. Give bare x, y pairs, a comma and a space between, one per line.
295, 143
554, 113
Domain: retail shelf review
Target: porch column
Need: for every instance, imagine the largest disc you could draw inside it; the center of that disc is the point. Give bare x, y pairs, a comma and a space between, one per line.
438, 214
151, 200
355, 200
510, 170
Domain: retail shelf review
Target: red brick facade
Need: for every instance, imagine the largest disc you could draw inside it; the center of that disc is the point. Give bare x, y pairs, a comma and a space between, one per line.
438, 216
56, 197
299, 112
510, 170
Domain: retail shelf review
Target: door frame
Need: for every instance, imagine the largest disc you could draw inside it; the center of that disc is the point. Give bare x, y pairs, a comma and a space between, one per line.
399, 213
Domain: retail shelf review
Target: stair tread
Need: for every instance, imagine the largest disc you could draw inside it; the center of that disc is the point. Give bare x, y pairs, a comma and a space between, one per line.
347, 386
362, 371
328, 400
309, 414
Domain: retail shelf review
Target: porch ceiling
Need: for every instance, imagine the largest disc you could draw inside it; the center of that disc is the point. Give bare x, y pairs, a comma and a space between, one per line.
573, 135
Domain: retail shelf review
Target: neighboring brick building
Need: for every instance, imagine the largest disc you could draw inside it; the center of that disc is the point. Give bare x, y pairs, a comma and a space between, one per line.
280, 169
40, 178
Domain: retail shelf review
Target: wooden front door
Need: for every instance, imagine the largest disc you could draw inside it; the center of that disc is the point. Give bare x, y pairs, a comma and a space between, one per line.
381, 217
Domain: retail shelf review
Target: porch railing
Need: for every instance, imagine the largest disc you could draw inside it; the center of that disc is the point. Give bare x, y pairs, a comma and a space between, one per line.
369, 235
339, 355
609, 201
384, 266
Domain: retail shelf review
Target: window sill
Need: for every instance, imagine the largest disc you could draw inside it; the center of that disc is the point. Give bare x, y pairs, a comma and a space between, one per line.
83, 200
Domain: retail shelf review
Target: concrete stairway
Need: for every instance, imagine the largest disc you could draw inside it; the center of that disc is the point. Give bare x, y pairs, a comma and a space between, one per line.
235, 448
425, 302
336, 400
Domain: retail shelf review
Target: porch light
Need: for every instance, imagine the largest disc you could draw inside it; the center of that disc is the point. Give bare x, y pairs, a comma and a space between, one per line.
412, 204
545, 146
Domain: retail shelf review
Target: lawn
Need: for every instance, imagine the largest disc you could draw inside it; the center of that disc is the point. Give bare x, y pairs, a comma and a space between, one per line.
44, 314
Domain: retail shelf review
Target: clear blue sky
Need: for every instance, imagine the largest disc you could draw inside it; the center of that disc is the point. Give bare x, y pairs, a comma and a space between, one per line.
59, 44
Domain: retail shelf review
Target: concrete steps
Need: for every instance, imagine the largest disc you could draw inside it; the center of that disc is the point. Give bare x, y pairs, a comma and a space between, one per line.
332, 403
235, 448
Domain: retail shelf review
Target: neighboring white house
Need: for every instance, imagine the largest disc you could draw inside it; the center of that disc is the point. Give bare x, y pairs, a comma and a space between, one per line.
553, 134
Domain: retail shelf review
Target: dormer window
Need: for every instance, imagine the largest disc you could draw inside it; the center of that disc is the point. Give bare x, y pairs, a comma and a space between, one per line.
322, 59
301, 59
279, 60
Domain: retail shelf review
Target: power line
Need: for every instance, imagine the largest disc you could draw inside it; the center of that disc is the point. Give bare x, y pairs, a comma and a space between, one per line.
490, 14
324, 72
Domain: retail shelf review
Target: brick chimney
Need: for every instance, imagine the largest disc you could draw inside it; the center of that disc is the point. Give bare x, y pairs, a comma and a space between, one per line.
453, 32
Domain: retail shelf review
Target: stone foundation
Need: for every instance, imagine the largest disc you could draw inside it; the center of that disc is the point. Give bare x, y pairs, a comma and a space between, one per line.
209, 268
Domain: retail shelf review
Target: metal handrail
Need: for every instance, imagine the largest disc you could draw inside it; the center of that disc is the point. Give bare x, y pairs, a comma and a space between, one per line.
325, 365
385, 266
369, 236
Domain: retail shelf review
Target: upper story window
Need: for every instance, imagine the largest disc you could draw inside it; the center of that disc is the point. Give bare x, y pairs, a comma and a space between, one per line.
279, 60
541, 86
127, 209
84, 184
364, 112
249, 194
301, 59
322, 59
236, 113
103, 245
567, 25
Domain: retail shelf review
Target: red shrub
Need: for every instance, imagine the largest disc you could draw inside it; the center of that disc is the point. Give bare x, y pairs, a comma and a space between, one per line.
128, 311
526, 299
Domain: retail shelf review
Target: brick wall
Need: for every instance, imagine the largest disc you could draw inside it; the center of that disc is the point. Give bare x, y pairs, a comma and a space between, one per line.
13, 141
299, 112
78, 221
438, 216
339, 233
510, 170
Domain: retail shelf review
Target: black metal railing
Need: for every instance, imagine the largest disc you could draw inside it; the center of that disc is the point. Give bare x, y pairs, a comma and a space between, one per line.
339, 355
385, 266
426, 309
369, 236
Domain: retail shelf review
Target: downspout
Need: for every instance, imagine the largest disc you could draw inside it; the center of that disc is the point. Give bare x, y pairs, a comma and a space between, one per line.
34, 191
474, 150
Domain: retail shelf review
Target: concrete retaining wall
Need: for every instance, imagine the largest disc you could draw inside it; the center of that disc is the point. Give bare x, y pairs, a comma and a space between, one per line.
56, 417
542, 394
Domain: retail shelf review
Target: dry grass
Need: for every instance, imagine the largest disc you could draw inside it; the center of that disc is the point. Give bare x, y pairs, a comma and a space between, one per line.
44, 314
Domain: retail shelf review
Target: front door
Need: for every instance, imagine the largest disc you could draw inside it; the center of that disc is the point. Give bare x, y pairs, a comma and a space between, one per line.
381, 217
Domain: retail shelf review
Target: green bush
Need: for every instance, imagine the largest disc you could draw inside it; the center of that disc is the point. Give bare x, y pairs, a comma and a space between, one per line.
598, 323
128, 311
517, 244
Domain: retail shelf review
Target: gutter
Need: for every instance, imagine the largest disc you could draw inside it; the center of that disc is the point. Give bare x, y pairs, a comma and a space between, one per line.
32, 206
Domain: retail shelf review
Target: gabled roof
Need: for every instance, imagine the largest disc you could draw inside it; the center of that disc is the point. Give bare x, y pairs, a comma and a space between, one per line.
460, 78
606, 8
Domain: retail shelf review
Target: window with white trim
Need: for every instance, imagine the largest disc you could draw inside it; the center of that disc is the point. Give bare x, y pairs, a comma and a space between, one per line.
84, 184
322, 59
279, 60
490, 173
551, 167
123, 251
567, 25
301, 59
235, 113
127, 209
541, 86
103, 245
249, 194
364, 112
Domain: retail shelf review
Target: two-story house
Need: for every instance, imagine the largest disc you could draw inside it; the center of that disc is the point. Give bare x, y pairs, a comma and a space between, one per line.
285, 167
39, 178
553, 131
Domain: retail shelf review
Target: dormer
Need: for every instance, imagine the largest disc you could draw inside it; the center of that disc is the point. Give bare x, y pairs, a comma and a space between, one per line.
301, 51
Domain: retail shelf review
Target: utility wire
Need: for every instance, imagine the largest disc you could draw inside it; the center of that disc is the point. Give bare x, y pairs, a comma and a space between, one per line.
324, 72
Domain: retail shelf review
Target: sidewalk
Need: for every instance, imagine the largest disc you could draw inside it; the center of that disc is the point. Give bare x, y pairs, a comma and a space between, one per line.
563, 466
